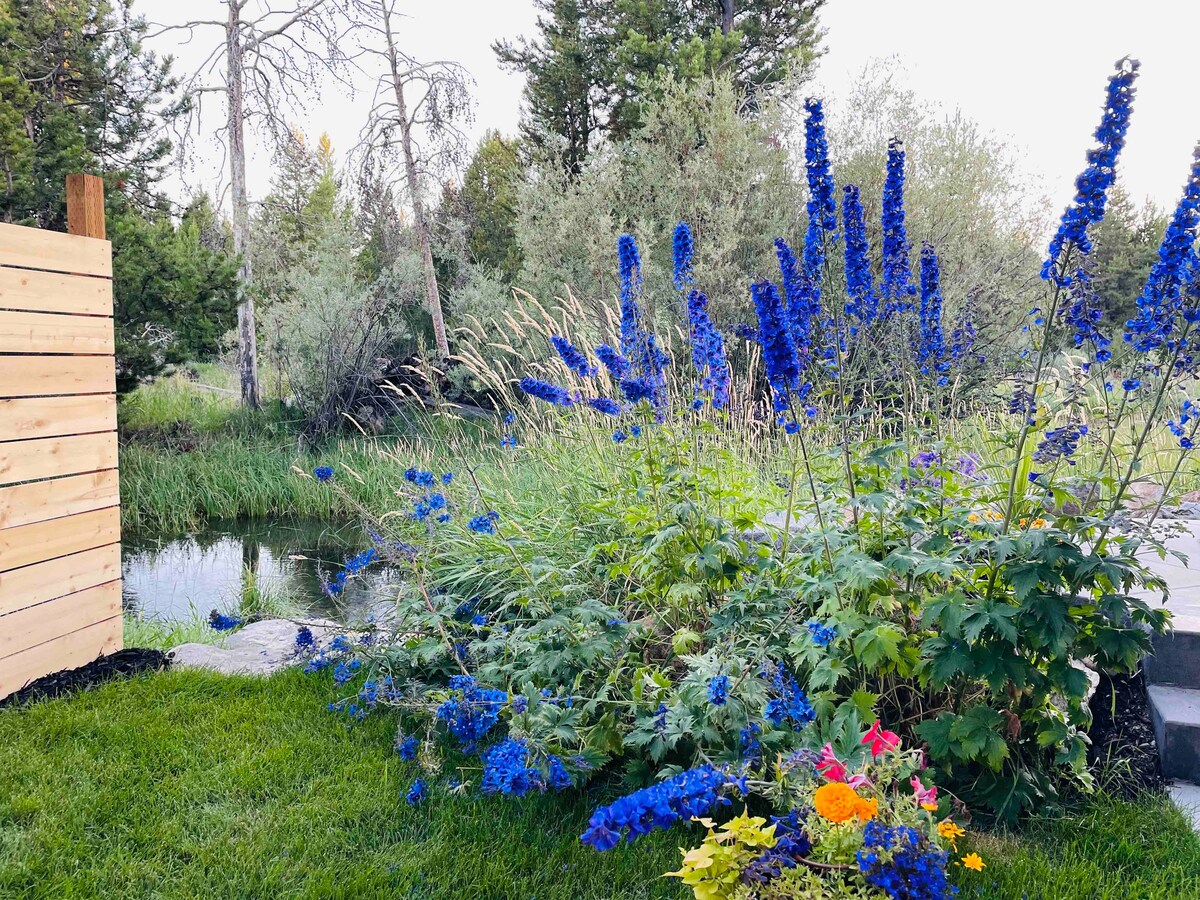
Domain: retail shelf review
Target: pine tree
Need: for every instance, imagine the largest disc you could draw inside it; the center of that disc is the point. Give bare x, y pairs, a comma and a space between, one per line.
594, 63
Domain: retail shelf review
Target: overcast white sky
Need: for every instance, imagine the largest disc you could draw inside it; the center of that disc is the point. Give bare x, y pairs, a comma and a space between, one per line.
1030, 69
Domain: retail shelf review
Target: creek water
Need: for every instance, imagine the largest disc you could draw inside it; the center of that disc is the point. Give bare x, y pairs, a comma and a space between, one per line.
232, 566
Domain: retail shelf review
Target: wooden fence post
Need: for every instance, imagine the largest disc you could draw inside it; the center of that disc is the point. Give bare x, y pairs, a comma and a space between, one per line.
85, 206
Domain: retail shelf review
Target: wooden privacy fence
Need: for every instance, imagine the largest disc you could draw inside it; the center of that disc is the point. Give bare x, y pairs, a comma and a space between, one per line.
60, 552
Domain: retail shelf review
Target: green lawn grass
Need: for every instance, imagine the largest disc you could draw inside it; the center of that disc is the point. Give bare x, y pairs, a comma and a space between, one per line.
200, 786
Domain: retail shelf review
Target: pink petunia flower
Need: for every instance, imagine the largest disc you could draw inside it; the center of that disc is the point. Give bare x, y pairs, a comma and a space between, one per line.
880, 740
924, 794
829, 765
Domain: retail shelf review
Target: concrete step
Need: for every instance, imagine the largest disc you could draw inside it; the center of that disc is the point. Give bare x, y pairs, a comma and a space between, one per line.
1175, 713
1175, 659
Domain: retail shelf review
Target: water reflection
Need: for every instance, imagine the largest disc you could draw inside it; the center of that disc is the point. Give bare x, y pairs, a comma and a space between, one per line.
234, 565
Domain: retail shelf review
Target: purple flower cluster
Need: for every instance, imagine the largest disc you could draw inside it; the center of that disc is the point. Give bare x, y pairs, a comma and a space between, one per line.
1060, 443
691, 793
791, 843
1091, 188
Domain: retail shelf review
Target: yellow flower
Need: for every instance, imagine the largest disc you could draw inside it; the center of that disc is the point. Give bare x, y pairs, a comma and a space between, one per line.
973, 861
836, 802
932, 807
973, 518
950, 831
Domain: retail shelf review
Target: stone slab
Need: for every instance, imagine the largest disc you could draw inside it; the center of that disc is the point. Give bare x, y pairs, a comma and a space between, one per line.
259, 648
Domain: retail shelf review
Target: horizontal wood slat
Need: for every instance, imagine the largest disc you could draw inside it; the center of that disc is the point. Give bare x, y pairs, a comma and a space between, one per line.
35, 376
34, 248
55, 292
31, 585
54, 416
42, 500
52, 457
29, 544
67, 652
35, 625
37, 332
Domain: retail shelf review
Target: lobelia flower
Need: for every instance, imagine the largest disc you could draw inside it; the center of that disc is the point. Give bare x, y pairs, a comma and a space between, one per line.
1091, 188
897, 287
880, 740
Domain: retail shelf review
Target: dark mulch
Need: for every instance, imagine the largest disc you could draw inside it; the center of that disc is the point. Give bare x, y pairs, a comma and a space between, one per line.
122, 664
1123, 744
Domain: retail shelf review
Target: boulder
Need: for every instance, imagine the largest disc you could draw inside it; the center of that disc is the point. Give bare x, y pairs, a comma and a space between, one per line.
259, 648
1142, 496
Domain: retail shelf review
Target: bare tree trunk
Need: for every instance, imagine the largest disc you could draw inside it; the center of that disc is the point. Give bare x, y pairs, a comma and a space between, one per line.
726, 16
432, 296
235, 86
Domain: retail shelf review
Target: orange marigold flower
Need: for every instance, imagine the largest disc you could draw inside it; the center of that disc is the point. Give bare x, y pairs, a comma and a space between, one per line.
973, 861
836, 801
867, 809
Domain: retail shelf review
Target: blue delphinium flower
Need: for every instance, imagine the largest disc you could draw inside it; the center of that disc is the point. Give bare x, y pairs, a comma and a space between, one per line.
1060, 443
860, 285
605, 405
220, 622
683, 247
1091, 188
802, 313
519, 704
751, 746
930, 345
1131, 384
791, 843
447, 477
897, 287
822, 635
718, 690
789, 703
708, 351
484, 524
619, 436
901, 862
570, 355
545, 390
1162, 297
821, 205
617, 365
407, 747
472, 711
507, 769
305, 641
779, 349
630, 270
323, 474
345, 670
1081, 310
417, 792
691, 793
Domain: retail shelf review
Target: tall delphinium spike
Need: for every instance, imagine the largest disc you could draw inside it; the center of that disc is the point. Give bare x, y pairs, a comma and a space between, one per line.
930, 343
1162, 298
821, 204
683, 248
779, 350
1092, 185
630, 269
862, 304
572, 357
797, 291
898, 288
708, 350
